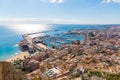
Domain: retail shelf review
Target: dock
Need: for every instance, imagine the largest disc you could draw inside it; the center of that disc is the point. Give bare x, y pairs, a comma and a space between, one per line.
38, 46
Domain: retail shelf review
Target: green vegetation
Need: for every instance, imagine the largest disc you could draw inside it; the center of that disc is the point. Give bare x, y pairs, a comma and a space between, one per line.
112, 76
95, 73
54, 47
91, 34
105, 75
17, 61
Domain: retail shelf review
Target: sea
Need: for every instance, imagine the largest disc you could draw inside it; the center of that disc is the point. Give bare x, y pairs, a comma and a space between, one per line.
10, 35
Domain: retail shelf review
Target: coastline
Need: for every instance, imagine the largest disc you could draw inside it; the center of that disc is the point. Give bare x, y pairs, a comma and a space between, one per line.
21, 55
10, 46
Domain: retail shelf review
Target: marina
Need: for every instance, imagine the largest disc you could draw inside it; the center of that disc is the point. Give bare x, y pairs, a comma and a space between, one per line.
49, 41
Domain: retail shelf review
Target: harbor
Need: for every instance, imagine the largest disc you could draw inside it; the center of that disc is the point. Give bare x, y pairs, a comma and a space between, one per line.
9, 45
46, 41
30, 45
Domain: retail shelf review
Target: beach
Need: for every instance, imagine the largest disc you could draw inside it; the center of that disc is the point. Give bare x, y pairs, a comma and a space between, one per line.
18, 56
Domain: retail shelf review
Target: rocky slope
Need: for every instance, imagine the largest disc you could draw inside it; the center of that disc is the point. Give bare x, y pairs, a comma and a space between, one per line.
8, 72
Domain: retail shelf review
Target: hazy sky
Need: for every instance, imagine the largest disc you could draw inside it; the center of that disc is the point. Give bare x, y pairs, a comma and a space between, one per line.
61, 11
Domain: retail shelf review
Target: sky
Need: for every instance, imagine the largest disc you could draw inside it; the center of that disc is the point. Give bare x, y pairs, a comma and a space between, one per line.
60, 11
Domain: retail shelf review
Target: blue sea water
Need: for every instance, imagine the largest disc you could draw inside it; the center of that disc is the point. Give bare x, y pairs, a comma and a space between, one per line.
10, 38
8, 42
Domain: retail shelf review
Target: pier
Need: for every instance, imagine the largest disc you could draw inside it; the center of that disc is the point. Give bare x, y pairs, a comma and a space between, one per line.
38, 46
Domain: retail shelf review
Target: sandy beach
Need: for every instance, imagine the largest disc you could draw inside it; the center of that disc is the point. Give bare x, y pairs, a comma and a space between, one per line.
18, 56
